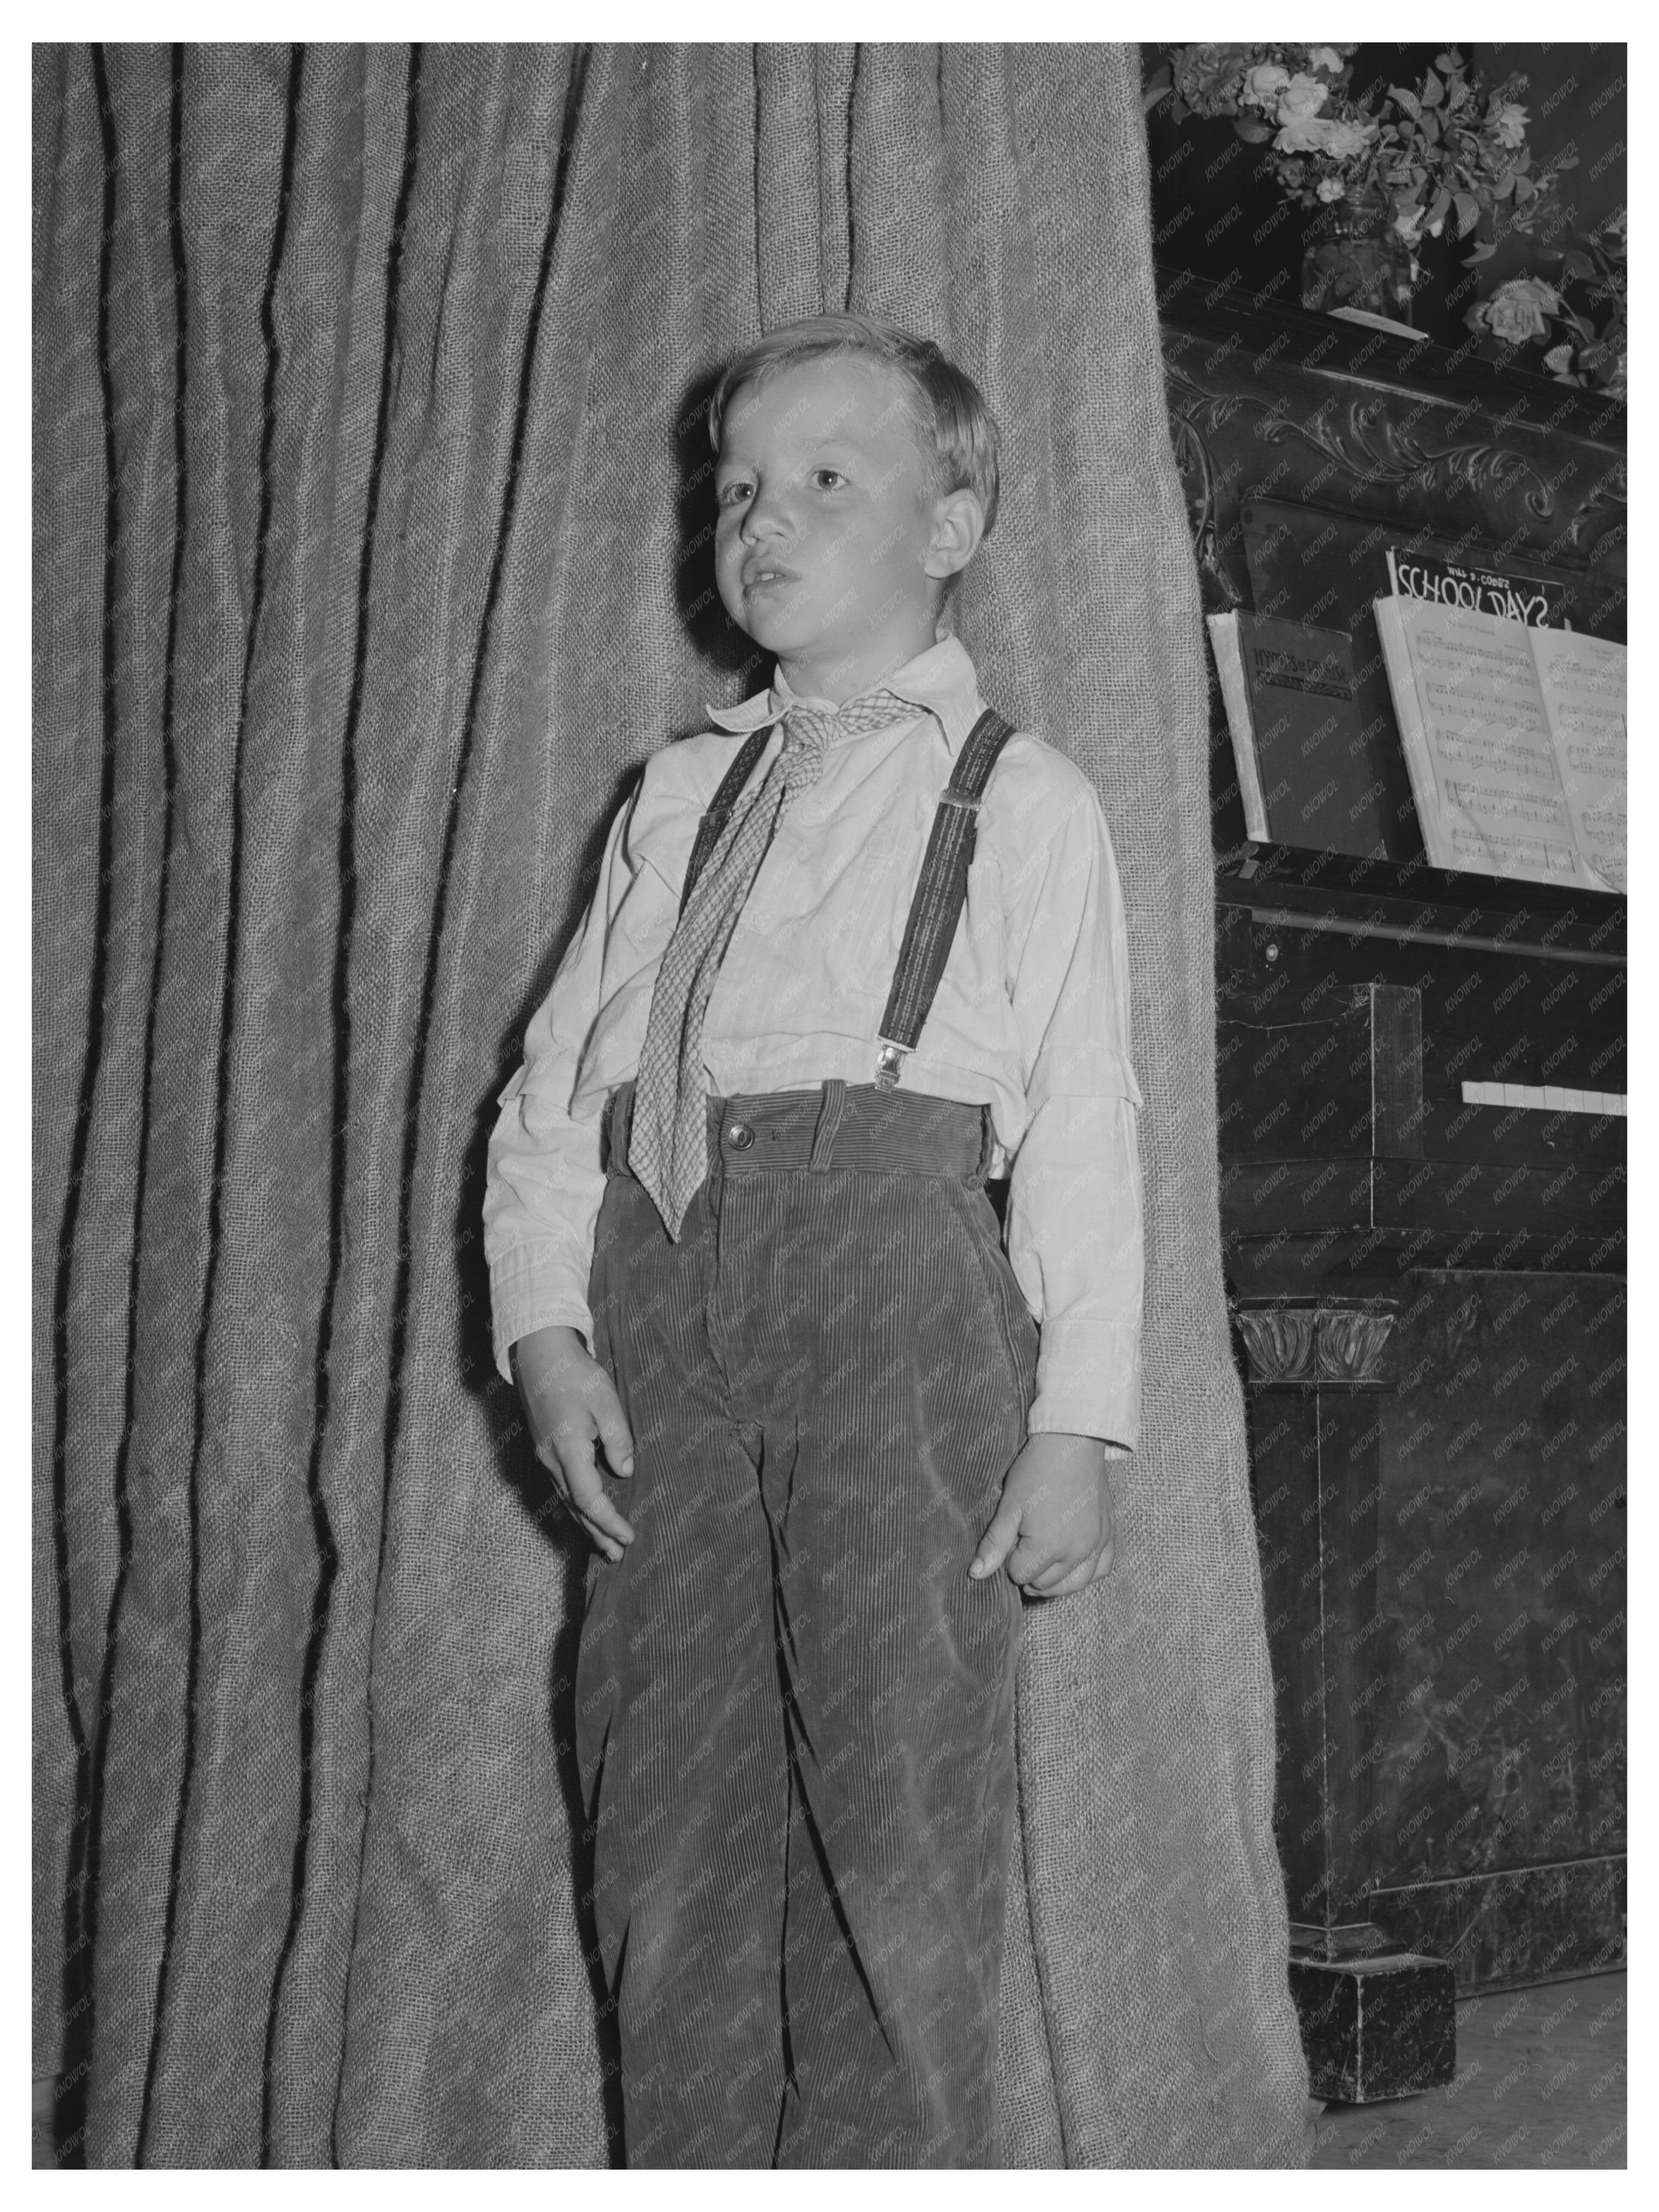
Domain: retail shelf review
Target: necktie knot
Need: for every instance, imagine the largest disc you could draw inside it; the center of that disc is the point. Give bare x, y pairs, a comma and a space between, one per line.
807, 736
809, 731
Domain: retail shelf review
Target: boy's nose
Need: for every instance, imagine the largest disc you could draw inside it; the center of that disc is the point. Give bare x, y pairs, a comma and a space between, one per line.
766, 515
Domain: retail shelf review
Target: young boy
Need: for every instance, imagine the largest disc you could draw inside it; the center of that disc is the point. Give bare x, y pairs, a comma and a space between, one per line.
739, 1238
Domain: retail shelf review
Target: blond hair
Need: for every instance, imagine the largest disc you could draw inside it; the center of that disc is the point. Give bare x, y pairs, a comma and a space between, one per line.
956, 431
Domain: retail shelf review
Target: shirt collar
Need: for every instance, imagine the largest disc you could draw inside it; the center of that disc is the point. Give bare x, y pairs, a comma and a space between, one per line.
940, 681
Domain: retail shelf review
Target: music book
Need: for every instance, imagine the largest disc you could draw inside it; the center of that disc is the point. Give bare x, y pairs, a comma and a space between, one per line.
1514, 739
1303, 749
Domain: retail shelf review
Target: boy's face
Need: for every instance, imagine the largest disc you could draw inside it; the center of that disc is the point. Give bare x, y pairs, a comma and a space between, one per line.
831, 544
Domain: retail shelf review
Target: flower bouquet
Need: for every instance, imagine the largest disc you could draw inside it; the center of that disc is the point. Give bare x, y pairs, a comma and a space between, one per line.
1528, 310
1384, 171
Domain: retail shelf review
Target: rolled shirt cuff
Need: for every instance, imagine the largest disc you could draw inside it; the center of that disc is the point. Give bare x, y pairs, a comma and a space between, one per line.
1088, 1381
521, 1304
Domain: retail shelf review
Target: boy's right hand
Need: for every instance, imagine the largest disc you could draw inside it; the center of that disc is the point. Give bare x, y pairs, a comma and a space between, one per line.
568, 1402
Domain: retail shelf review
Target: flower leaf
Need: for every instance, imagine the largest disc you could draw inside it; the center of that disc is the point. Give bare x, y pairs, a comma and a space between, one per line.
1468, 212
1433, 91
1483, 250
1408, 101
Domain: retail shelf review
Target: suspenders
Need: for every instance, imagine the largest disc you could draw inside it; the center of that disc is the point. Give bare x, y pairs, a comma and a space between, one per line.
941, 892
719, 812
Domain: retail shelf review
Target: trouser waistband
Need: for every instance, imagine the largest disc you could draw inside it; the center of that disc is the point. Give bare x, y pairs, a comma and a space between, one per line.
840, 1125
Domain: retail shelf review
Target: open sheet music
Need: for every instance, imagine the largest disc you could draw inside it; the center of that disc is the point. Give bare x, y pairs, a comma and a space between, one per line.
1515, 742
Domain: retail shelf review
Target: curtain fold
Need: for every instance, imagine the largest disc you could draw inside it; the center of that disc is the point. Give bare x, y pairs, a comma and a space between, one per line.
371, 557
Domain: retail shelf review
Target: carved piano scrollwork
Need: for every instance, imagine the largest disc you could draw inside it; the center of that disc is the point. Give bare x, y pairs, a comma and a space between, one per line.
1197, 472
1328, 1343
1348, 1347
1382, 464
1279, 1343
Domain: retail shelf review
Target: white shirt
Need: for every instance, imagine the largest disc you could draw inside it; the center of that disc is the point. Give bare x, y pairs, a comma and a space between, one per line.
1031, 1015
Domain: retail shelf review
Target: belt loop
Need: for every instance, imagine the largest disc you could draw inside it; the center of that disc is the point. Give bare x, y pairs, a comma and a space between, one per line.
618, 1127
713, 1189
831, 1113
988, 1145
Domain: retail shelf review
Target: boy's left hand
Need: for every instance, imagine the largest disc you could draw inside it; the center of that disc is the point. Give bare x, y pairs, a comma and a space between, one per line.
1054, 1529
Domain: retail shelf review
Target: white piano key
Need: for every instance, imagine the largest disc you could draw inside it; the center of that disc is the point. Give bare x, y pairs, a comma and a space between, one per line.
1544, 1099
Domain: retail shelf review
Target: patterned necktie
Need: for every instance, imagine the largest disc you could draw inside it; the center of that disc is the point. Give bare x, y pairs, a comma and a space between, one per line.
668, 1140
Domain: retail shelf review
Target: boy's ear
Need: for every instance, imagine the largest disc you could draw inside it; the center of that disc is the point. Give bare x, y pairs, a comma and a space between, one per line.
958, 525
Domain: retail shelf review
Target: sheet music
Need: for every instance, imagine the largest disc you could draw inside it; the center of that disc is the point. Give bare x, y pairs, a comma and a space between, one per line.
1583, 682
1473, 717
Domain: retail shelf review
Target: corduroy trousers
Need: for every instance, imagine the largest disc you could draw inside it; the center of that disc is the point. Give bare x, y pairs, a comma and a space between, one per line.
794, 1709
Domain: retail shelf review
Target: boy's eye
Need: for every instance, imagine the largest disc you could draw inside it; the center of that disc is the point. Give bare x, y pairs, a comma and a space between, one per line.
734, 493
827, 479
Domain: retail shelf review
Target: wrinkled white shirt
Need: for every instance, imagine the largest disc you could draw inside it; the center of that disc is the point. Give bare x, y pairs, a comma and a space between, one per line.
1031, 1015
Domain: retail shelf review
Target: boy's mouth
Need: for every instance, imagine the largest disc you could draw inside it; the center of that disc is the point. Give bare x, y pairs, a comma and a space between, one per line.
760, 579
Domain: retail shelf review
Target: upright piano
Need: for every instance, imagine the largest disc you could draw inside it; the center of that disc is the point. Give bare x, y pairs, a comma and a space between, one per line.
1421, 1090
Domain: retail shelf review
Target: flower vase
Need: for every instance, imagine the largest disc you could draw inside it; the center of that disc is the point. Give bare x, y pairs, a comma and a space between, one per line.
1354, 258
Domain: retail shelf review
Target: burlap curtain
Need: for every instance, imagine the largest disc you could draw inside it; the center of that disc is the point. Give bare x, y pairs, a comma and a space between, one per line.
369, 557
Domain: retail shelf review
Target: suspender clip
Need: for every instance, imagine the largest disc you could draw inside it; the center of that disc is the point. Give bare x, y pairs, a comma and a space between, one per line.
887, 1063
964, 798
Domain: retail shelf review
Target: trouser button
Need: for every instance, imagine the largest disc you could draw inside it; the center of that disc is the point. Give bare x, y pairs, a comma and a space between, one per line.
739, 1136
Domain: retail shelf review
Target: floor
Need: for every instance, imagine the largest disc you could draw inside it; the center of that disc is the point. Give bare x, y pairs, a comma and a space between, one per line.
1540, 2082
